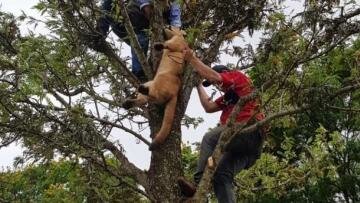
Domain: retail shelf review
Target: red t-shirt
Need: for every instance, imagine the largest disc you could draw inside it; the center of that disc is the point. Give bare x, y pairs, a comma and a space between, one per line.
242, 85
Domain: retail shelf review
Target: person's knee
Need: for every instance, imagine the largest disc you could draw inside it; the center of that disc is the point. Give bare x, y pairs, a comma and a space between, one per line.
208, 139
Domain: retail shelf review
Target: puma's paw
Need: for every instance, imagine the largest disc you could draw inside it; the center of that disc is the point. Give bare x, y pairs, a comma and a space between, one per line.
143, 89
128, 104
158, 46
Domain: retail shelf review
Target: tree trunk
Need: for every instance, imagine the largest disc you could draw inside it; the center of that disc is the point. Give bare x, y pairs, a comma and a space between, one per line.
165, 165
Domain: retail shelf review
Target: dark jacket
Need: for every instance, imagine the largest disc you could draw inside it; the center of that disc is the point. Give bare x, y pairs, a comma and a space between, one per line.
137, 18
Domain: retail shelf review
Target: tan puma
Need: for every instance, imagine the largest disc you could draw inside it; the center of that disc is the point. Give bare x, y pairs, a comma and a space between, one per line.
164, 88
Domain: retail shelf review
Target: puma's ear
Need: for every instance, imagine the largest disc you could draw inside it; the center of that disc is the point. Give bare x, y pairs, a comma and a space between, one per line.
183, 32
168, 33
159, 46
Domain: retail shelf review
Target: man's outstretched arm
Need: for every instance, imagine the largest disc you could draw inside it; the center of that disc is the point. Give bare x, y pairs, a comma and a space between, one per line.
202, 69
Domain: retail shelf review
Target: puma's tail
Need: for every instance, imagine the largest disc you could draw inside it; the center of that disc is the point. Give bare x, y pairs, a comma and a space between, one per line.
166, 124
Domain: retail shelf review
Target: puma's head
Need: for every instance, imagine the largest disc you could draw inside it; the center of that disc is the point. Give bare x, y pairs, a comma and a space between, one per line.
175, 41
172, 31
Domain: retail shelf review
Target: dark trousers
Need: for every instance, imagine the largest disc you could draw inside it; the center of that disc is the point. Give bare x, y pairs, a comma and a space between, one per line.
242, 153
106, 21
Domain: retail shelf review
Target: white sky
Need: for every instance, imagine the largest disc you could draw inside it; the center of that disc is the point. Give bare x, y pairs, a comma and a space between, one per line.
137, 153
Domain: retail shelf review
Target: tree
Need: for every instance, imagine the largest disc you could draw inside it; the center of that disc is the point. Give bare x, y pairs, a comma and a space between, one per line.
48, 84
63, 181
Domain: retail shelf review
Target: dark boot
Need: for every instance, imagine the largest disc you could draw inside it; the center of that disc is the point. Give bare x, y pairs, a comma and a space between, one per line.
186, 187
128, 104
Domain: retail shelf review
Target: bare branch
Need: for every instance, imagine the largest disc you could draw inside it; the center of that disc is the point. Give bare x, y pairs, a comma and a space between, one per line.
343, 109
59, 98
42, 106
8, 142
120, 127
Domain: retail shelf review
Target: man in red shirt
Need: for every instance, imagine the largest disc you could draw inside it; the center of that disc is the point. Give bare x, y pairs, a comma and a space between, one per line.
244, 149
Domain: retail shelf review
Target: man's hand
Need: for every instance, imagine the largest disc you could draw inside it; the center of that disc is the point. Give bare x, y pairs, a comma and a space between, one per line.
188, 54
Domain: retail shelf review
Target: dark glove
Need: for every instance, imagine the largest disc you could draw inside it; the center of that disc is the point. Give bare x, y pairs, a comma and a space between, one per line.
153, 146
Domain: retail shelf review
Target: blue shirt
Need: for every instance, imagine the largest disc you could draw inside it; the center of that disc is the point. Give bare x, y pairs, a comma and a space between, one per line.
175, 12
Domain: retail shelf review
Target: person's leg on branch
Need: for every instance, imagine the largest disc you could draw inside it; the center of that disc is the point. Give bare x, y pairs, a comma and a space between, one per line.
137, 69
207, 147
229, 165
241, 154
104, 21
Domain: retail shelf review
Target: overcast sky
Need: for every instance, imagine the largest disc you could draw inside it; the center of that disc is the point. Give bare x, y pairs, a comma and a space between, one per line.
137, 153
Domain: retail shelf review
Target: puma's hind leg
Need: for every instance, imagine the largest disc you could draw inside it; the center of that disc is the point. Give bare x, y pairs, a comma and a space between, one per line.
141, 99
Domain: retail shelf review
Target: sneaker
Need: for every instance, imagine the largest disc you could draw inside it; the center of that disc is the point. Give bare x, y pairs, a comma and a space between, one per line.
187, 188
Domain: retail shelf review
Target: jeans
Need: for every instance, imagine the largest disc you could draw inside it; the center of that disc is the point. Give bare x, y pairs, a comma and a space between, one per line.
106, 21
242, 153
143, 39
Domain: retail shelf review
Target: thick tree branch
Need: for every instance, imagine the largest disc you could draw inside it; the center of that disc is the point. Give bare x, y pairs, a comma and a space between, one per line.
346, 89
115, 173
126, 166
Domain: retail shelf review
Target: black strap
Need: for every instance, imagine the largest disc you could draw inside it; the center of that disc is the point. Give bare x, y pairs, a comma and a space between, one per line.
230, 97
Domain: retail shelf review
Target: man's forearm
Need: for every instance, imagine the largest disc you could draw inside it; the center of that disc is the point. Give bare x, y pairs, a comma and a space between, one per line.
204, 70
204, 98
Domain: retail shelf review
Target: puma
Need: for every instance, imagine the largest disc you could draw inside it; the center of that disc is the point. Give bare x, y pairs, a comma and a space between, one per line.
164, 88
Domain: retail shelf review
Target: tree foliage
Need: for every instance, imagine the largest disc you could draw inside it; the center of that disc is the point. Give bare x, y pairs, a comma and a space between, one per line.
63, 181
61, 95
